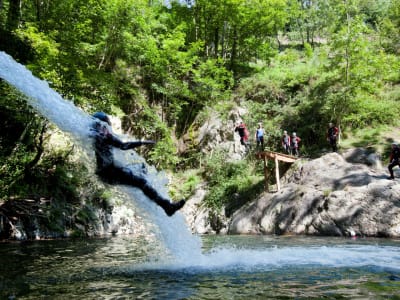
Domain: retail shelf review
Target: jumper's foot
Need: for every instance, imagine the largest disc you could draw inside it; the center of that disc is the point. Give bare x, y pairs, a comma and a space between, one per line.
173, 207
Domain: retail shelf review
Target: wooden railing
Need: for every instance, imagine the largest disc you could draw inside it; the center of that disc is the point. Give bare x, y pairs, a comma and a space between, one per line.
271, 155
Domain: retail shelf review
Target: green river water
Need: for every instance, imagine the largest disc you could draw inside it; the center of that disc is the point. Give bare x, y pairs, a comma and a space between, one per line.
230, 267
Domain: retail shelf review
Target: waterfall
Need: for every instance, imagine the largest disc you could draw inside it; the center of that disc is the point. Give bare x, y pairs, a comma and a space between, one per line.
65, 115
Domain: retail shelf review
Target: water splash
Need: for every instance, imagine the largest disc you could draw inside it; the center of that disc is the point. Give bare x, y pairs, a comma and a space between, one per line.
272, 258
70, 119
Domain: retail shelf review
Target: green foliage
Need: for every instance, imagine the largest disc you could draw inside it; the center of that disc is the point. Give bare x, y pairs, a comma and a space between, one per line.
184, 184
164, 154
46, 53
229, 180
371, 111
276, 96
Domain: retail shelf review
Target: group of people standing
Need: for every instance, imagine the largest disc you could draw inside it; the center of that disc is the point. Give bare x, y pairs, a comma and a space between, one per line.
290, 143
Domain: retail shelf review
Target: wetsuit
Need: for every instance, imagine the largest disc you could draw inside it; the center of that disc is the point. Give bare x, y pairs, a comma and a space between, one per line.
111, 172
332, 137
394, 160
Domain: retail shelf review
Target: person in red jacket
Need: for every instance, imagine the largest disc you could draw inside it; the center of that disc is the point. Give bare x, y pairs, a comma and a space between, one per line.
241, 129
332, 136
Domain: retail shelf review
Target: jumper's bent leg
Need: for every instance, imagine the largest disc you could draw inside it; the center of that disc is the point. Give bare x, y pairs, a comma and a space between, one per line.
141, 182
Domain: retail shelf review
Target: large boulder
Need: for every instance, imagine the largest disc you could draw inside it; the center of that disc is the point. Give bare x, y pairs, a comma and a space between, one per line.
327, 196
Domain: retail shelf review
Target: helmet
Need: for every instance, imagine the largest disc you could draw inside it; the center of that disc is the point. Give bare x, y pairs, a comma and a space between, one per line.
294, 134
102, 117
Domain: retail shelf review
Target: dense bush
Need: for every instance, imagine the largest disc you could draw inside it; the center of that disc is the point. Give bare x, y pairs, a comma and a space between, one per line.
230, 181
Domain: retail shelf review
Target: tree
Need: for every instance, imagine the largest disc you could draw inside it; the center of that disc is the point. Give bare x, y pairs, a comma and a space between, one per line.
312, 19
357, 66
234, 30
389, 25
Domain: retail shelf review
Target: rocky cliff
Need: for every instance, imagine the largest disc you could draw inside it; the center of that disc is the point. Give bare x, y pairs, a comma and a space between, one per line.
337, 195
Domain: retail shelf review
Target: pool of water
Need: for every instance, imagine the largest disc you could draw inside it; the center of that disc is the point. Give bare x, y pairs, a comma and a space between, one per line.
229, 267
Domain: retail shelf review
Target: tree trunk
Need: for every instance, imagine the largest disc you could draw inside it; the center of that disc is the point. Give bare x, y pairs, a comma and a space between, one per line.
234, 49
14, 14
216, 41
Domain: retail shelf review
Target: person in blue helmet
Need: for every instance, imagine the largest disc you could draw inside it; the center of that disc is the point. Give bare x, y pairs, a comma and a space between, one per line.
111, 172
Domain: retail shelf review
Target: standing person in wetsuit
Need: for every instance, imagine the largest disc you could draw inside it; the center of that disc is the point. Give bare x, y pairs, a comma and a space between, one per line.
260, 136
286, 142
294, 144
332, 136
109, 170
394, 159
243, 133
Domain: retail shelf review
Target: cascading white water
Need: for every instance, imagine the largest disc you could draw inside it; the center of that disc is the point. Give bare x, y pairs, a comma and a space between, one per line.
69, 118
44, 100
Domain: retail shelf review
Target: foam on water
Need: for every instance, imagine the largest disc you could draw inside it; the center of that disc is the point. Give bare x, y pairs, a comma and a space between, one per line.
226, 259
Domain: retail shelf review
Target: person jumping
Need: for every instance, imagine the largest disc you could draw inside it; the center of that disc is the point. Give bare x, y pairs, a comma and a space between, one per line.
111, 172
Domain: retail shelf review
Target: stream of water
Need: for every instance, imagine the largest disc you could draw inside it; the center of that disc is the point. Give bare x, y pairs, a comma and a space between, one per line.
190, 267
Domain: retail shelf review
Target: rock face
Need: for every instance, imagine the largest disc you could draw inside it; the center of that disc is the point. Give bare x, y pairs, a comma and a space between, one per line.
327, 196
201, 219
217, 134
27, 219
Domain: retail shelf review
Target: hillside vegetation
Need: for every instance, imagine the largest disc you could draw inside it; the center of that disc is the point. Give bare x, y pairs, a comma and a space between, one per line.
294, 65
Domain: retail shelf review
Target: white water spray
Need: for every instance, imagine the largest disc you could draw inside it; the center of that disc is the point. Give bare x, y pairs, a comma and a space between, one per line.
69, 118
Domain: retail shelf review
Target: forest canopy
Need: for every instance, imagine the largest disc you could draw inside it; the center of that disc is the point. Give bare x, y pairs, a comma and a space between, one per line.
293, 63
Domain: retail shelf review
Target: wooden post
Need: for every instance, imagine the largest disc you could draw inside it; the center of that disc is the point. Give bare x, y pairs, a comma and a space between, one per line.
266, 155
277, 173
266, 188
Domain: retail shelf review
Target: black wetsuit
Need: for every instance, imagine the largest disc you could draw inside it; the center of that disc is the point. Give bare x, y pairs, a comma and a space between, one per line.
332, 136
394, 160
111, 172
